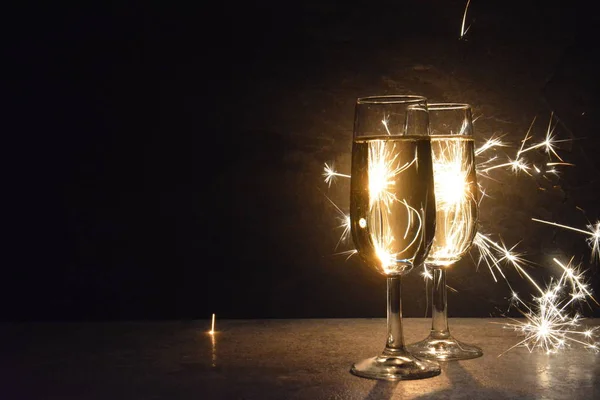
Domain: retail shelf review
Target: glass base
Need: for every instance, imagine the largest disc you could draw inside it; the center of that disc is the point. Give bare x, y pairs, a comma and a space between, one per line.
444, 349
395, 366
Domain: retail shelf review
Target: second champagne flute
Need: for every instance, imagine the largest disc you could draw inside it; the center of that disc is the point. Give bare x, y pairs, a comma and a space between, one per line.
456, 195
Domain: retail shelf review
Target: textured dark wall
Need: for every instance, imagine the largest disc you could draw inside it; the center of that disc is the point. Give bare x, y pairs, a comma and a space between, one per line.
167, 162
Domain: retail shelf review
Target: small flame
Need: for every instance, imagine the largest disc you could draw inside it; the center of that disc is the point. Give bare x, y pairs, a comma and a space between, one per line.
212, 326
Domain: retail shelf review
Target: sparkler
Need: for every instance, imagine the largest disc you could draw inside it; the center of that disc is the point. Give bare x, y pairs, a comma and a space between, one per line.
383, 168
593, 231
330, 174
490, 144
212, 326
456, 198
519, 163
577, 279
548, 324
452, 175
463, 31
493, 254
548, 144
344, 223
213, 342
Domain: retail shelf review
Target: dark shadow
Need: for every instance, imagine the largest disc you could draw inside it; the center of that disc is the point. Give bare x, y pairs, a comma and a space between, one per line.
382, 390
463, 382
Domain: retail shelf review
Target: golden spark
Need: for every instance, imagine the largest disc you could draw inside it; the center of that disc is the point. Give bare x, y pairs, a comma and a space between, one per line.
383, 170
330, 174
495, 254
212, 326
456, 198
383, 239
463, 31
490, 144
519, 163
343, 217
452, 173
548, 325
344, 223
548, 143
348, 253
426, 274
385, 124
577, 279
516, 165
593, 231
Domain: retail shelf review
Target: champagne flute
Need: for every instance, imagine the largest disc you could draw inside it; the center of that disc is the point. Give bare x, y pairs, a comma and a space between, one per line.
456, 195
392, 213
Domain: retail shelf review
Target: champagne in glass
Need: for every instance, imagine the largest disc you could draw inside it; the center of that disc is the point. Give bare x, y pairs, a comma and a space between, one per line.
456, 195
392, 213
391, 190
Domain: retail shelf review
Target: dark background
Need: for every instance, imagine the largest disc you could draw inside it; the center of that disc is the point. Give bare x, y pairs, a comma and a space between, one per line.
165, 161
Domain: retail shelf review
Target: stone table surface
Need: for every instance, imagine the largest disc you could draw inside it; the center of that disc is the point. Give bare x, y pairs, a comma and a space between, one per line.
273, 359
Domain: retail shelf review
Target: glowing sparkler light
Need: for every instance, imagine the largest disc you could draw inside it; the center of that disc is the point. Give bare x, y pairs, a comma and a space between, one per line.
385, 124
494, 254
549, 142
489, 144
456, 198
594, 233
212, 326
486, 248
330, 174
548, 325
518, 163
383, 169
383, 239
344, 223
577, 279
452, 177
463, 31
349, 253
425, 273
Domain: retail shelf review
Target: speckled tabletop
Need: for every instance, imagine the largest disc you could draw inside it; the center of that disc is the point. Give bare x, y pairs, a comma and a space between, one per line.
273, 359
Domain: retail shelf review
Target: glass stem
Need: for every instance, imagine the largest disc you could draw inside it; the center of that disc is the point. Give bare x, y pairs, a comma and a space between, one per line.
395, 338
439, 305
